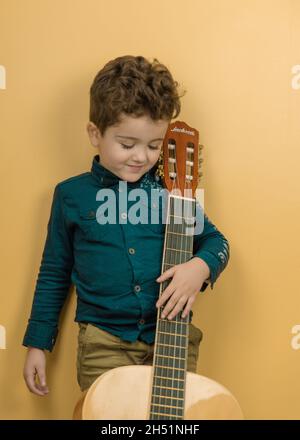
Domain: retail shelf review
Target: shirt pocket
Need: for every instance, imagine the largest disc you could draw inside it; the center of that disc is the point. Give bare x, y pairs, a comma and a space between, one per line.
92, 229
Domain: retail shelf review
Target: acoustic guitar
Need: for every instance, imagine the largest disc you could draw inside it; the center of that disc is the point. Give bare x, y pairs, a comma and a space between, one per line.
165, 390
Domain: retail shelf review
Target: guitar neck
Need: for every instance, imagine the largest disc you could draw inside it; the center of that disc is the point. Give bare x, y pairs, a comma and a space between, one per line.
171, 344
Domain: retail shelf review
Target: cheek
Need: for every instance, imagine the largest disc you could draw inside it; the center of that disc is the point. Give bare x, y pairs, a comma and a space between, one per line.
120, 155
155, 156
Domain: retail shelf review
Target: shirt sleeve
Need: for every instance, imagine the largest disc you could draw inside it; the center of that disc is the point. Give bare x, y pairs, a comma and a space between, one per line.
211, 246
54, 279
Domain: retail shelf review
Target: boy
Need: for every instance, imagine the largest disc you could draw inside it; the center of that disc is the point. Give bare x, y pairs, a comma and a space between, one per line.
115, 266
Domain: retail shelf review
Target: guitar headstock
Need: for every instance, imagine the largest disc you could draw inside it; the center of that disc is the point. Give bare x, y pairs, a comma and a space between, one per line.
180, 164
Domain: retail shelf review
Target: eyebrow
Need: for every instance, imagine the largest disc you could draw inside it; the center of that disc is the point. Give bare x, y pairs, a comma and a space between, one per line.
136, 139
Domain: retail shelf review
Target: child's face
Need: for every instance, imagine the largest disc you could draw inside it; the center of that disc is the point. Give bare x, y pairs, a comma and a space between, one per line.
143, 152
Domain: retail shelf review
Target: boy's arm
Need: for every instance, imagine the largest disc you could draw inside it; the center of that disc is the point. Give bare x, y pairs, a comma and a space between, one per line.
211, 246
54, 279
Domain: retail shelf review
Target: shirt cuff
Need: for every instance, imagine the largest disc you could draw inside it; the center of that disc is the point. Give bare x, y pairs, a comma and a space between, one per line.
213, 264
40, 335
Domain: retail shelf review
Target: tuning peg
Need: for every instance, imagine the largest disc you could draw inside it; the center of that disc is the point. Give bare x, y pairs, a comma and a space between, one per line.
200, 174
200, 147
160, 170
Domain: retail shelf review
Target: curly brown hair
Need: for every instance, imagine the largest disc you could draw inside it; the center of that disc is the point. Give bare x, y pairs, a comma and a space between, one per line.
134, 86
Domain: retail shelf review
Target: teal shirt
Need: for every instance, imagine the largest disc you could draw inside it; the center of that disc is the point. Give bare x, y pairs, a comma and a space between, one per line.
113, 267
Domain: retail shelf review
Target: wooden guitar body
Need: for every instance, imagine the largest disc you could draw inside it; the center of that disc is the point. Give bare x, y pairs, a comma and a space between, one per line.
124, 393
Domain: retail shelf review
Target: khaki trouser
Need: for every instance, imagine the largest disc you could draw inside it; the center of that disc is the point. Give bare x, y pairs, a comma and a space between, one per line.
99, 351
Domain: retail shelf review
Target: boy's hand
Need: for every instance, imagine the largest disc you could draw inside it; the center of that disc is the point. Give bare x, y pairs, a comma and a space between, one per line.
182, 290
35, 365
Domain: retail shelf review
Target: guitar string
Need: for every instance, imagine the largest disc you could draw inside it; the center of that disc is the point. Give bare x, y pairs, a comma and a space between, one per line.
183, 350
164, 336
184, 238
176, 258
176, 325
173, 331
157, 371
165, 326
177, 203
175, 334
184, 208
186, 241
168, 326
179, 258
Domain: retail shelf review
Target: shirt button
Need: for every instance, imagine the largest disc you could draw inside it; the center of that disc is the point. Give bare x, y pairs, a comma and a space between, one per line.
91, 214
142, 321
124, 215
131, 251
137, 288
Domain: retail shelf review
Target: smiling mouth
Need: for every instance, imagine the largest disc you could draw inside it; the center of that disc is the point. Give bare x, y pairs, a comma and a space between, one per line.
136, 166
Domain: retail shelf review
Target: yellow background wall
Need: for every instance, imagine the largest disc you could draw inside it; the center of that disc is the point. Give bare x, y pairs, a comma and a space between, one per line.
240, 63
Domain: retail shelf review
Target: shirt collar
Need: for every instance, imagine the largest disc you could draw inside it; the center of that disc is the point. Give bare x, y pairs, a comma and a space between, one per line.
107, 178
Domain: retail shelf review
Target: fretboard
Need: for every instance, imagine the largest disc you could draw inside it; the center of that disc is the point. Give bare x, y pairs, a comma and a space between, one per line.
171, 343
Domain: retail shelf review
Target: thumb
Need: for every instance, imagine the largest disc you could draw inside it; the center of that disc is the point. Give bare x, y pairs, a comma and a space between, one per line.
42, 377
167, 274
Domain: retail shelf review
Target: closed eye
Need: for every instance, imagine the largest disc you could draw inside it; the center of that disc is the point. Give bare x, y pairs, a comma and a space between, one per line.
127, 146
152, 147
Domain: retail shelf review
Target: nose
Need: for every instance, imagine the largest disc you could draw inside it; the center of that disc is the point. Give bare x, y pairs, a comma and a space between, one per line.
139, 156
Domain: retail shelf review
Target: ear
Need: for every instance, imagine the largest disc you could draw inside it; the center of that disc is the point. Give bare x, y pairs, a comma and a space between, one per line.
94, 133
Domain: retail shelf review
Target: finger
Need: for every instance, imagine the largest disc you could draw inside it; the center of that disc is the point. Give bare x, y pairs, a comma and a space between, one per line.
42, 385
188, 307
165, 295
43, 389
170, 305
30, 382
179, 306
167, 274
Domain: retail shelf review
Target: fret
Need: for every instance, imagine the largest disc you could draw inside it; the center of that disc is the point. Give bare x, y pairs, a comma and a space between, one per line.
178, 250
170, 368
163, 414
175, 350
177, 233
168, 388
169, 374
178, 364
177, 355
166, 406
170, 393
172, 357
171, 322
167, 397
173, 246
182, 218
168, 333
176, 360
167, 378
173, 346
